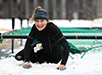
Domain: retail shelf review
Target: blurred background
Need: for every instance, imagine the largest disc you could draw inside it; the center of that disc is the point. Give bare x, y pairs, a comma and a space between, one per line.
73, 17
57, 9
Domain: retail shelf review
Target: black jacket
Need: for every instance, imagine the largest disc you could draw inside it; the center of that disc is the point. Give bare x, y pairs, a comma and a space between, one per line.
54, 43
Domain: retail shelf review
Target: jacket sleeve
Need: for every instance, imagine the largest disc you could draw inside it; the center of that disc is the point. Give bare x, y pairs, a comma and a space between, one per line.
28, 43
55, 32
66, 49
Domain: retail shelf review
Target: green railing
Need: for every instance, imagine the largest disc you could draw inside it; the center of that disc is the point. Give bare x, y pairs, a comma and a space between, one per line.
76, 45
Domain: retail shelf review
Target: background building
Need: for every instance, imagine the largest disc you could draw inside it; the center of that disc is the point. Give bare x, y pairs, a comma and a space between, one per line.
57, 9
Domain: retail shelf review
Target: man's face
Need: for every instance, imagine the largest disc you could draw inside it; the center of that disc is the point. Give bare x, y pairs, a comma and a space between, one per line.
40, 24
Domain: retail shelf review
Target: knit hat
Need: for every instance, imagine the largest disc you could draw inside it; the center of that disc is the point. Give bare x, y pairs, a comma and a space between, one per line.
40, 14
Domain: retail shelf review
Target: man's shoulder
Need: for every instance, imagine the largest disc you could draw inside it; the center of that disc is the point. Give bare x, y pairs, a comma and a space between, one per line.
53, 29
52, 25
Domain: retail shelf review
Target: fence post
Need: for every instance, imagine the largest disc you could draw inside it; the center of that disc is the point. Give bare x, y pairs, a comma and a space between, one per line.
35, 3
63, 9
13, 24
95, 8
54, 9
10, 8
20, 16
46, 5
76, 9
27, 10
85, 9
21, 27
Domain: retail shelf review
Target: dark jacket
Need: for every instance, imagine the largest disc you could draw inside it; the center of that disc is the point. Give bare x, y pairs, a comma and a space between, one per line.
54, 43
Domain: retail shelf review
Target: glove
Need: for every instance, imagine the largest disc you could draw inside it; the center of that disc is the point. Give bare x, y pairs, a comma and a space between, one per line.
27, 65
38, 47
61, 68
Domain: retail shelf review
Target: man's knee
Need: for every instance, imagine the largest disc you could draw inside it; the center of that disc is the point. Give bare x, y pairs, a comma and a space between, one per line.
18, 57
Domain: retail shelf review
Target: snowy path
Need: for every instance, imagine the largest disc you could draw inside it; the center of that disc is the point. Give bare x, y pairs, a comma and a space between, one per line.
90, 64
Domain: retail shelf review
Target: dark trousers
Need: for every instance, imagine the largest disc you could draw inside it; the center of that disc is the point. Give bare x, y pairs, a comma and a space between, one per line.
39, 57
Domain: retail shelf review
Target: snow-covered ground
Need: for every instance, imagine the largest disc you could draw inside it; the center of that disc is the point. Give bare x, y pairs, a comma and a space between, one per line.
90, 64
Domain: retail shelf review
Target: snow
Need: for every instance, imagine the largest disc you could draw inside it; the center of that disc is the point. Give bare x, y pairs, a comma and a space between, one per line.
90, 64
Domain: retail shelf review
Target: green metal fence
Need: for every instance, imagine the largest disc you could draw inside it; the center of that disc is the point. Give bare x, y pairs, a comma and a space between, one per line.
76, 45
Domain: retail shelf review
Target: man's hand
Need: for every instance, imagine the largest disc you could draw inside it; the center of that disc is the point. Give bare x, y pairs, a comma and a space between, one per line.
61, 67
27, 65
